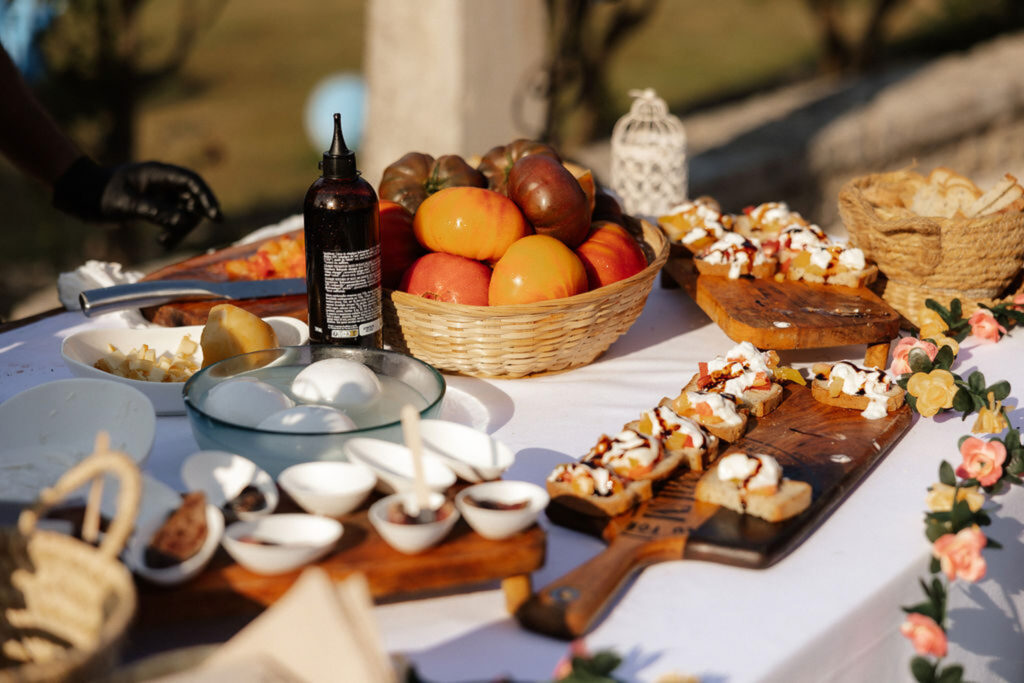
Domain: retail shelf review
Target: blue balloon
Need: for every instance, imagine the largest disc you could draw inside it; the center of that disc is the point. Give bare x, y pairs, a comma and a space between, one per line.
344, 93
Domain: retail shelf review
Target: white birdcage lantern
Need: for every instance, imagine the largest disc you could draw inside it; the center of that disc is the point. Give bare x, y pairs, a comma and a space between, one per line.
649, 156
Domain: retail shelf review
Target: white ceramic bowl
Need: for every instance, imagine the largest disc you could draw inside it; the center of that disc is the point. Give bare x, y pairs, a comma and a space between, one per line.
135, 553
410, 538
496, 524
296, 539
392, 463
329, 488
81, 349
222, 476
471, 454
49, 428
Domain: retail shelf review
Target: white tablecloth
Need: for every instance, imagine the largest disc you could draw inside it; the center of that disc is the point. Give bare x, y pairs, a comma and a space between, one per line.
829, 611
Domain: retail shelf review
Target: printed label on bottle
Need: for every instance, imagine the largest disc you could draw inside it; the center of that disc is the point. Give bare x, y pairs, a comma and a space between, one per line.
352, 300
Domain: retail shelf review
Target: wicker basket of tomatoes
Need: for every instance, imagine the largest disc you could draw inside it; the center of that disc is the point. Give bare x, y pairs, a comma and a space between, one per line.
515, 267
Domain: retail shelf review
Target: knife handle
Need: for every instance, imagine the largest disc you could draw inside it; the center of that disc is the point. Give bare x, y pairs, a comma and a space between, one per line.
141, 294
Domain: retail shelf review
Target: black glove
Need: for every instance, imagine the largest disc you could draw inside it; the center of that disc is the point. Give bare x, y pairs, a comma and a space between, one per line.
174, 198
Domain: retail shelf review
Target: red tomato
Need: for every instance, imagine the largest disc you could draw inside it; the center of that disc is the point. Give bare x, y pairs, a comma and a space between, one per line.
398, 245
610, 254
446, 277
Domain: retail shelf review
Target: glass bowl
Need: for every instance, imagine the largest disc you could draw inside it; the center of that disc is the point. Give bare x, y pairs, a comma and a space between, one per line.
406, 380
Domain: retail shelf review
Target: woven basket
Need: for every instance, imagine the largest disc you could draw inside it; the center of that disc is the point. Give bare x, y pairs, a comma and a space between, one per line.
523, 339
973, 259
66, 604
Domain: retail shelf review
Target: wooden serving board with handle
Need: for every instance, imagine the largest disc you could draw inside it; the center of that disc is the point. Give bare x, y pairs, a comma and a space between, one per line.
831, 448
210, 267
791, 314
462, 561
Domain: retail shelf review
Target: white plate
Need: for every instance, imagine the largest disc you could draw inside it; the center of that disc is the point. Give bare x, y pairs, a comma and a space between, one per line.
51, 427
82, 349
135, 554
392, 463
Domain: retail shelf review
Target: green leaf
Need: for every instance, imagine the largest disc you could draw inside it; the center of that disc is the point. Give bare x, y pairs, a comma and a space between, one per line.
956, 311
954, 673
933, 530
971, 481
946, 475
902, 381
994, 544
934, 567
962, 402
911, 401
1012, 440
960, 441
919, 360
976, 381
923, 670
962, 515
1000, 390
938, 308
944, 358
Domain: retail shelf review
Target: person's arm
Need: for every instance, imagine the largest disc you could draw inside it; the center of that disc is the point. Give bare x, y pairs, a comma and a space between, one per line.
29, 137
172, 197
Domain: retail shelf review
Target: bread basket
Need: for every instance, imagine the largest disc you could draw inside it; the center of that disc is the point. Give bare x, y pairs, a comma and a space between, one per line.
523, 339
66, 604
922, 257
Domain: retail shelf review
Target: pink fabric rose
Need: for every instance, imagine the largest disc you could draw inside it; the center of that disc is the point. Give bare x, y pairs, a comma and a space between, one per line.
983, 460
984, 325
927, 637
960, 554
900, 354
1018, 302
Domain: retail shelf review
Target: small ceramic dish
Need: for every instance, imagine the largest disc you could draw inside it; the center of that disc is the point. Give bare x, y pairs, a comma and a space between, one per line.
224, 476
281, 543
499, 509
411, 538
49, 428
392, 463
328, 488
471, 454
82, 349
135, 553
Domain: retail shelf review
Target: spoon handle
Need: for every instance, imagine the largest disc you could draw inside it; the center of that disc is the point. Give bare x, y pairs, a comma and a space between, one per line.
411, 433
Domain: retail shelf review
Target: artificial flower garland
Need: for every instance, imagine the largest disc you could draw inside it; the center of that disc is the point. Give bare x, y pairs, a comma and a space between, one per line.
956, 502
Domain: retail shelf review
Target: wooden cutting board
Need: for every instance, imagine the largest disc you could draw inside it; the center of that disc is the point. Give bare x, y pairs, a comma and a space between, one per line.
462, 561
791, 314
210, 268
831, 448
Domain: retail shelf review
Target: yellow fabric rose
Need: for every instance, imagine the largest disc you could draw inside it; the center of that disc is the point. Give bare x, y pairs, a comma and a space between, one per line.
991, 419
931, 331
940, 497
926, 316
934, 391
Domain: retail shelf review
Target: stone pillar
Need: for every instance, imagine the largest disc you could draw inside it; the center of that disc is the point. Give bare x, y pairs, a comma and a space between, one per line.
444, 76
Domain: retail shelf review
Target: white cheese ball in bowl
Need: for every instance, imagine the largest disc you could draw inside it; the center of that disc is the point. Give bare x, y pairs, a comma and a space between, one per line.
308, 419
337, 382
245, 401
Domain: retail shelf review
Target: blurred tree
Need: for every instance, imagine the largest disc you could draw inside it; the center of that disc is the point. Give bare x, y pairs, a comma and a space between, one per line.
839, 53
584, 36
103, 58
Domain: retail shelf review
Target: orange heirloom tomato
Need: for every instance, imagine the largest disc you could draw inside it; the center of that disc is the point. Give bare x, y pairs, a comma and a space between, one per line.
536, 268
469, 221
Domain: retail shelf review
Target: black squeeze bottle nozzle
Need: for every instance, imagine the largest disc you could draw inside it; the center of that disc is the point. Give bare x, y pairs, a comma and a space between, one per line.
339, 161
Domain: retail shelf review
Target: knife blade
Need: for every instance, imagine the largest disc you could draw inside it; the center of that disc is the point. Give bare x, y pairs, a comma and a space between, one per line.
156, 292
